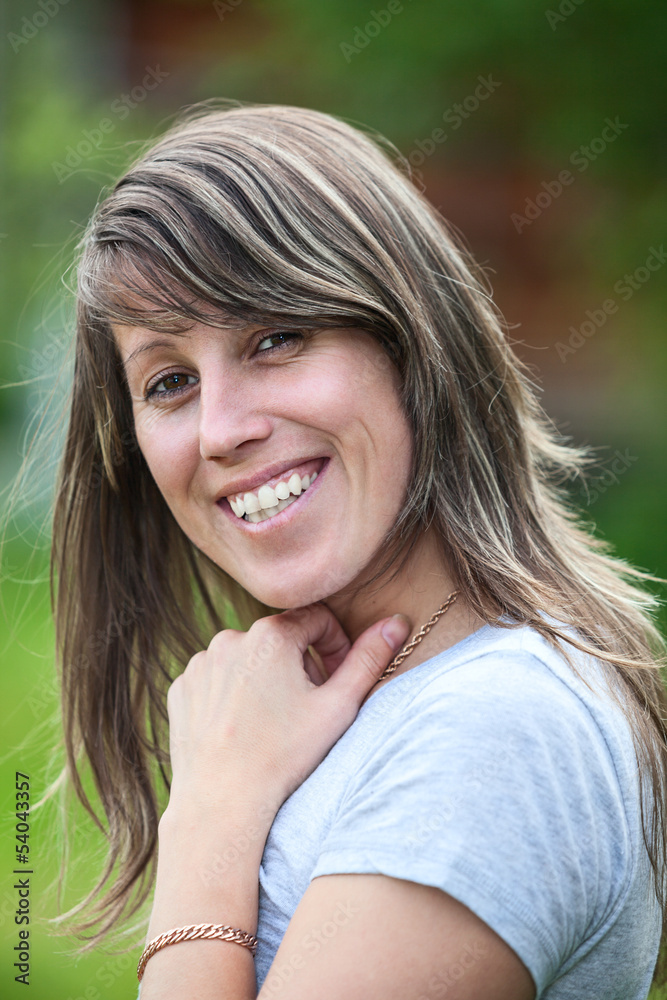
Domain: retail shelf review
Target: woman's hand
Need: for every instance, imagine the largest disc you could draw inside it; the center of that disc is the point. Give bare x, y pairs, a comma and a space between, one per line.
252, 713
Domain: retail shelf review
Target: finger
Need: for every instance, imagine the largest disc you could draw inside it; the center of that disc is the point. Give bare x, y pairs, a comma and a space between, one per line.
194, 662
313, 666
315, 625
369, 656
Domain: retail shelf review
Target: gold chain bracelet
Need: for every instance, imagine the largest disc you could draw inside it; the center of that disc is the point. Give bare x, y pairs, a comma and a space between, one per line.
194, 932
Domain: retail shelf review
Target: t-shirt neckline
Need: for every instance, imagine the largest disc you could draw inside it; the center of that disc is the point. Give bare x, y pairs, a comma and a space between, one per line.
444, 654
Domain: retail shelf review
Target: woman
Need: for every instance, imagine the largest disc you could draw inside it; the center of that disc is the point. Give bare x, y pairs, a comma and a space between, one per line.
295, 415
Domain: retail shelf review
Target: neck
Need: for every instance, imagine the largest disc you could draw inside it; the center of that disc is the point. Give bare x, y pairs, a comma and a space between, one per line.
422, 586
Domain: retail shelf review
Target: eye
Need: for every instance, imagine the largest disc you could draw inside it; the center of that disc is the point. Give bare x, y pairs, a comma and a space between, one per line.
275, 336
168, 385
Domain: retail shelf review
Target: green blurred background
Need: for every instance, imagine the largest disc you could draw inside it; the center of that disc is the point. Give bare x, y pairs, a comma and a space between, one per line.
491, 101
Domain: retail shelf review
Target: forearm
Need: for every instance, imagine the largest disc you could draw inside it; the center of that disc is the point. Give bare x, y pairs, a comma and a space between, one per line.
208, 872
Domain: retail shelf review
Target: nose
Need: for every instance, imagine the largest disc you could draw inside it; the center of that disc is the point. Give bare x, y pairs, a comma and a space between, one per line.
228, 417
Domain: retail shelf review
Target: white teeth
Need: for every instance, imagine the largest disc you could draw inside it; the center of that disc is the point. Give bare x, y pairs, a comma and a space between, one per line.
256, 506
267, 497
282, 491
250, 503
264, 515
294, 483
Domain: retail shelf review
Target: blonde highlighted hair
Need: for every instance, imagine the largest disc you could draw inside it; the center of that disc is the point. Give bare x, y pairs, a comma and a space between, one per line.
274, 214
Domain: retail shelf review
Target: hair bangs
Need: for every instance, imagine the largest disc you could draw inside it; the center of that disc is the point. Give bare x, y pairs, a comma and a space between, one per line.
216, 239
124, 283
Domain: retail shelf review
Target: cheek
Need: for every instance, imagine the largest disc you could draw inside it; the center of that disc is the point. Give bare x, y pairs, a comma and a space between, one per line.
359, 405
171, 453
388, 431
359, 385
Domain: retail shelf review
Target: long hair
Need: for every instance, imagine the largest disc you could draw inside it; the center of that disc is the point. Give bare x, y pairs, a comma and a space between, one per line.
276, 214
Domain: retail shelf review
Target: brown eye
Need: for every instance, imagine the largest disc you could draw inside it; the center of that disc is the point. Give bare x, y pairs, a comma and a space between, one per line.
276, 336
170, 384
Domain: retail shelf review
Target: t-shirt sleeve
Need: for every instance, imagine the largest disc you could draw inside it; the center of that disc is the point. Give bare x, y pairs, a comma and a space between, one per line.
496, 784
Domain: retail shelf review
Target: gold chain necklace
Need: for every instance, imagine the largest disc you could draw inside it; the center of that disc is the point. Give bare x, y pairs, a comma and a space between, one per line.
416, 639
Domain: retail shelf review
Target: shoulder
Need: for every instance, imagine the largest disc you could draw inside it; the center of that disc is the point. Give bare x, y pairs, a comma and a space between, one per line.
501, 773
505, 781
511, 685
505, 731
517, 688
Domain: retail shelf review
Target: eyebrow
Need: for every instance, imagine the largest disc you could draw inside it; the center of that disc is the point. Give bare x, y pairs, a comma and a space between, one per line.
153, 345
156, 344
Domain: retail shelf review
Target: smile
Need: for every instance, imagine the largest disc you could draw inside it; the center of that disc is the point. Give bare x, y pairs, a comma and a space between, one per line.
272, 498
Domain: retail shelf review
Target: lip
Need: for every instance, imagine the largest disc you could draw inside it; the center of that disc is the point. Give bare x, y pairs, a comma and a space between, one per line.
240, 486
278, 519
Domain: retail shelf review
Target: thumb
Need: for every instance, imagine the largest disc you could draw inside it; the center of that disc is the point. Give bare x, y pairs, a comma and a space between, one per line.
369, 656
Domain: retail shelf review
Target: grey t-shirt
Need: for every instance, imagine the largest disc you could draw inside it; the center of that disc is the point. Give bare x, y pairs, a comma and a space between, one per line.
492, 772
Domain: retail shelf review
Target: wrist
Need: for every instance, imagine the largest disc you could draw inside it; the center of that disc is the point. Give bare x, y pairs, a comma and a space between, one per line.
229, 831
209, 859
195, 808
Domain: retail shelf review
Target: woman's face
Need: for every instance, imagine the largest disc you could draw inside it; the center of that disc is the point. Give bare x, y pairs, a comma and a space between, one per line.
220, 411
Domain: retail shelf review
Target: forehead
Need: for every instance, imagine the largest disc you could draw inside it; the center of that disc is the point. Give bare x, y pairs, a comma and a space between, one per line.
133, 341
144, 315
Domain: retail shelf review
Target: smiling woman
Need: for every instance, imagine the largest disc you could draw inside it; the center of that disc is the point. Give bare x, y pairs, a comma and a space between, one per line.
320, 404
312, 427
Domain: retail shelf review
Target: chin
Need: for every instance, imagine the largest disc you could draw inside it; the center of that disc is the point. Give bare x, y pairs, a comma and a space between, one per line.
300, 593
286, 598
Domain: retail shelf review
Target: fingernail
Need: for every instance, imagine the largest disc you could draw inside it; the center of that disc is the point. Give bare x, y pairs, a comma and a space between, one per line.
396, 630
